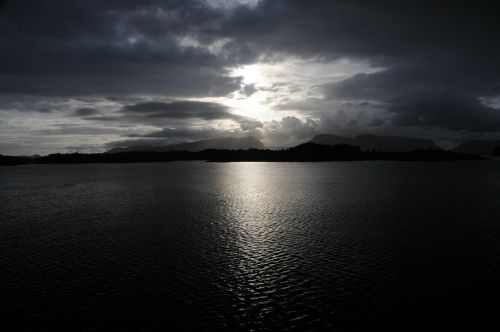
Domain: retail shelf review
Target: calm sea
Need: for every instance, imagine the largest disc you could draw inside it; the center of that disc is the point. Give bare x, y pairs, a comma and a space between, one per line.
250, 246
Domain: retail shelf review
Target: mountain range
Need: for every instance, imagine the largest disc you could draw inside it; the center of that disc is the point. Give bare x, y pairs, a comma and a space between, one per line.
478, 147
378, 143
227, 143
362, 147
365, 142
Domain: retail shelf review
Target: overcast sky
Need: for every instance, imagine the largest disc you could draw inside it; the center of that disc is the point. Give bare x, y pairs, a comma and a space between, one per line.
90, 75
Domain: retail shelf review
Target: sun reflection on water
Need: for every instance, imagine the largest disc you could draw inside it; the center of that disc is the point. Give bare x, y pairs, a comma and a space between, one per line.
251, 216
264, 235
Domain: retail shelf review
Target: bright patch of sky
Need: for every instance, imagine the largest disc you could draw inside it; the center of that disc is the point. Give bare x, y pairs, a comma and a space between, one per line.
286, 82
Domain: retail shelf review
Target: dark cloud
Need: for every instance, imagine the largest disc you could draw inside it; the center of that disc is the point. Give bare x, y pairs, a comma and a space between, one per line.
160, 113
453, 112
376, 122
119, 79
65, 48
437, 74
420, 46
249, 89
163, 47
105, 118
180, 110
359, 28
83, 112
44, 109
181, 133
76, 130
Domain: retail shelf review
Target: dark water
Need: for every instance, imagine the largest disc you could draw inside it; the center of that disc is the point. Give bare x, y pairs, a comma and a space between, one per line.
250, 246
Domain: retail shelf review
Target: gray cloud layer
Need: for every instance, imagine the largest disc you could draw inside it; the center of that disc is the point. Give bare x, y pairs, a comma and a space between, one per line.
425, 47
57, 47
179, 109
453, 112
438, 62
95, 47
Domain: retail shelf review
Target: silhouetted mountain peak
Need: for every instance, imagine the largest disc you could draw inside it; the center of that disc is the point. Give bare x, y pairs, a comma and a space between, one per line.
477, 146
226, 143
369, 142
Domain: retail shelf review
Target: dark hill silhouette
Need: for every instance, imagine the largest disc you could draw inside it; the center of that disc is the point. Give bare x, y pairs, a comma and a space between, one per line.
10, 160
303, 152
477, 146
496, 153
340, 152
378, 143
227, 143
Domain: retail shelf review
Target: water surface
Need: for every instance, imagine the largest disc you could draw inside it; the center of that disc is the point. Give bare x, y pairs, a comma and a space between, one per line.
250, 246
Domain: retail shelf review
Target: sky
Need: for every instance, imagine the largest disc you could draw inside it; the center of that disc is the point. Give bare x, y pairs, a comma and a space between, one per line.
88, 76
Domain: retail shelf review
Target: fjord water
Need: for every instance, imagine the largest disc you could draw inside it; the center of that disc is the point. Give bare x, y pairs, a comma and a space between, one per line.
250, 246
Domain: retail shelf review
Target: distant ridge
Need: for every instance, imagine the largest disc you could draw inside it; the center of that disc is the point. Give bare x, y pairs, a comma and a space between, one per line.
478, 147
227, 143
303, 152
378, 143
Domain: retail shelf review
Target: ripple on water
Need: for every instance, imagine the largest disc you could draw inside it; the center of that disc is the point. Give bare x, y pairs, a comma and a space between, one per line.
250, 246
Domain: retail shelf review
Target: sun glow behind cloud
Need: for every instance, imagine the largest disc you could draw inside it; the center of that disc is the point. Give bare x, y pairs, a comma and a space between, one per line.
252, 102
266, 86
252, 74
